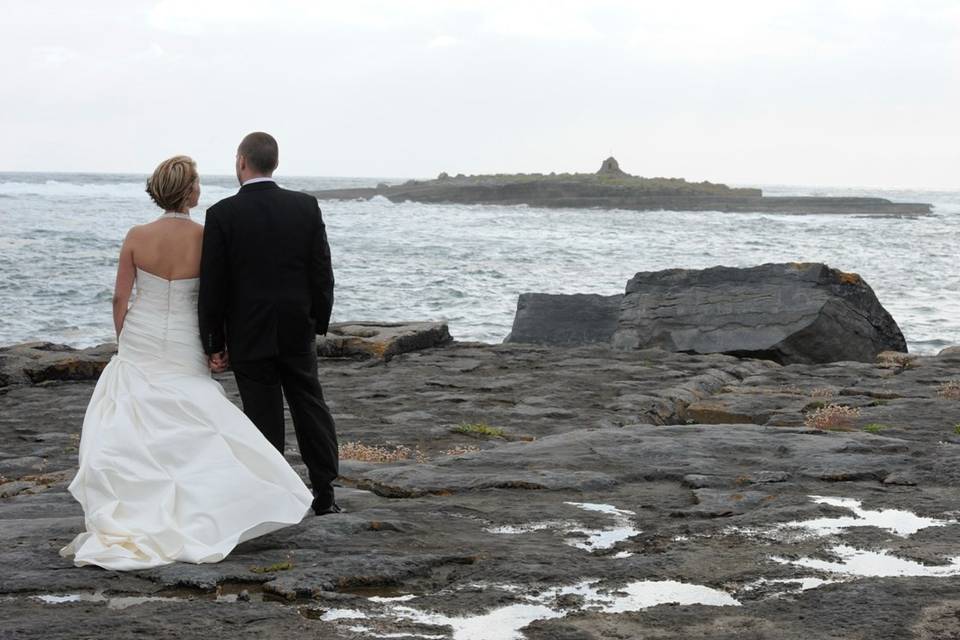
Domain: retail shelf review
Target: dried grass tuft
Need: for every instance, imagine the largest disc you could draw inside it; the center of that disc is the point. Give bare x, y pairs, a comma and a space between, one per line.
379, 453
896, 360
461, 450
833, 417
949, 390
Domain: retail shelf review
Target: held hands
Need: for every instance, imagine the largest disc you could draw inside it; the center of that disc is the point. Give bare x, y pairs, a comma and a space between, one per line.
218, 362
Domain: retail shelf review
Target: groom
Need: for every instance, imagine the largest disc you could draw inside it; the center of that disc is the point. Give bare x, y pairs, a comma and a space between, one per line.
266, 290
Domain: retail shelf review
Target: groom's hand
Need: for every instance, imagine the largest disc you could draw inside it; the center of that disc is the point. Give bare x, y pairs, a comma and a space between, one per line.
218, 362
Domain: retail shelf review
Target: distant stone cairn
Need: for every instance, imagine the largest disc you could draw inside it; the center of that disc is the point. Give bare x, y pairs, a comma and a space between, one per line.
611, 167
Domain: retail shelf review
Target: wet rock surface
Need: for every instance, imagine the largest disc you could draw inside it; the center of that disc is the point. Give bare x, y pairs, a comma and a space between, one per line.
606, 485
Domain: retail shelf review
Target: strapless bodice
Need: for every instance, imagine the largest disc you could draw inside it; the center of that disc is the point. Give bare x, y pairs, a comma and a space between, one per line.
161, 328
159, 293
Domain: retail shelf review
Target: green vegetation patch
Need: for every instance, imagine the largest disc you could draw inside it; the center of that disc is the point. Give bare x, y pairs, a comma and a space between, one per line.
286, 565
478, 430
875, 427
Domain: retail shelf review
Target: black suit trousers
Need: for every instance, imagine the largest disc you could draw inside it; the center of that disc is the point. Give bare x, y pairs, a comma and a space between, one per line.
263, 384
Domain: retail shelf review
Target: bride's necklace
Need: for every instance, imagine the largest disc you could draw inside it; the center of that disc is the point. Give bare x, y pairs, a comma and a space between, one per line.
176, 214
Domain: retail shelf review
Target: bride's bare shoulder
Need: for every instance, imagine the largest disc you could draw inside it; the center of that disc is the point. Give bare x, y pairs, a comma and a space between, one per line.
135, 232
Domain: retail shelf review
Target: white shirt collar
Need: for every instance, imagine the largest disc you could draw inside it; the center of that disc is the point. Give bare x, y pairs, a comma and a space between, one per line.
256, 180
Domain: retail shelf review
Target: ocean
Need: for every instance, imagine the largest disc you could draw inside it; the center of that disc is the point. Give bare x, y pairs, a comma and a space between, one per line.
466, 264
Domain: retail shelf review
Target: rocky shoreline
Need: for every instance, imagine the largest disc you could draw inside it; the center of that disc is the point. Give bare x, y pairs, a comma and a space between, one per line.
611, 188
568, 491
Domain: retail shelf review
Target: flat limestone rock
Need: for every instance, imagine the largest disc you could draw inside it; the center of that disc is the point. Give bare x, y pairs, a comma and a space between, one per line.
950, 352
35, 362
567, 320
789, 313
473, 527
381, 340
752, 408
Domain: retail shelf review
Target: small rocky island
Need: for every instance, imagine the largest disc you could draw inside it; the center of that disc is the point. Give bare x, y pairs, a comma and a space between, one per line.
613, 188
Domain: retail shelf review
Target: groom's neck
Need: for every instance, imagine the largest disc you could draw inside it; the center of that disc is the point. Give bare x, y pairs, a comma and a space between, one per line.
259, 177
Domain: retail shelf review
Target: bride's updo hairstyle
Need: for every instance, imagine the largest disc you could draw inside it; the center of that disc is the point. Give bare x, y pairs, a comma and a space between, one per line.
172, 181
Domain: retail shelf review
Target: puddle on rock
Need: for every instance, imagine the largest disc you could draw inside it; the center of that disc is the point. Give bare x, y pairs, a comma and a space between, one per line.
505, 622
584, 538
649, 593
397, 634
343, 614
874, 564
602, 539
781, 586
852, 563
514, 529
402, 598
112, 602
225, 592
901, 523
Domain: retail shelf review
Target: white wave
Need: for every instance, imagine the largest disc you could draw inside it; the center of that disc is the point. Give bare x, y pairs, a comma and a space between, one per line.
119, 190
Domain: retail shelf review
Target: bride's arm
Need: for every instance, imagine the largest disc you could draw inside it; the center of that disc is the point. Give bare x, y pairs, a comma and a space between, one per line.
126, 272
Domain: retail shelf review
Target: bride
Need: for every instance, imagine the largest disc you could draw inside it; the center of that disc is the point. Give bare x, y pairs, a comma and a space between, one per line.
170, 470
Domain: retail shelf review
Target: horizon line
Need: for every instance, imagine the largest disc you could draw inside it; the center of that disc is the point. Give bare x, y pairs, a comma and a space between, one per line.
357, 177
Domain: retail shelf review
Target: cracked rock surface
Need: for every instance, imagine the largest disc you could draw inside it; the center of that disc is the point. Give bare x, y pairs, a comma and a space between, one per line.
531, 471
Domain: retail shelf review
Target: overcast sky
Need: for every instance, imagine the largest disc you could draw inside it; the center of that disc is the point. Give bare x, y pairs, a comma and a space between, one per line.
836, 92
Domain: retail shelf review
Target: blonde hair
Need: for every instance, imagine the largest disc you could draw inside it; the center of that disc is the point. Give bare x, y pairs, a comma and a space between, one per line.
172, 181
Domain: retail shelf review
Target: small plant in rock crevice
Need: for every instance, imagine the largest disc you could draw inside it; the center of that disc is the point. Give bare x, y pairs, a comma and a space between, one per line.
478, 430
823, 392
876, 427
832, 417
897, 361
949, 390
459, 451
379, 453
285, 565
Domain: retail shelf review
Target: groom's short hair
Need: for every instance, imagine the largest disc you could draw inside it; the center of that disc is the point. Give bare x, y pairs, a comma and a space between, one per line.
261, 151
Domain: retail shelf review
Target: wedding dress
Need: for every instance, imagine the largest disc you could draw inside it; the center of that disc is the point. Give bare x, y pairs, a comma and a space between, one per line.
170, 470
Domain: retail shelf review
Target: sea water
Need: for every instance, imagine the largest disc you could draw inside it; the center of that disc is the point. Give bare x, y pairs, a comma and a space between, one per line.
60, 235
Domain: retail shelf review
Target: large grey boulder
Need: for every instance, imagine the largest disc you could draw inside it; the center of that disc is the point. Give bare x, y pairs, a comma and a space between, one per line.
556, 319
790, 313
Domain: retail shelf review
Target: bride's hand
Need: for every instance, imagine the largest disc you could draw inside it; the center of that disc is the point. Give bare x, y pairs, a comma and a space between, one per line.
218, 362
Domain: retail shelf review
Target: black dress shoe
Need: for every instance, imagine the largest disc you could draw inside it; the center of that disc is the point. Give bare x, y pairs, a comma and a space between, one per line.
332, 508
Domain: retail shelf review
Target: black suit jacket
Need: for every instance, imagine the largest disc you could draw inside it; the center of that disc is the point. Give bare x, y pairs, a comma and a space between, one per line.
266, 282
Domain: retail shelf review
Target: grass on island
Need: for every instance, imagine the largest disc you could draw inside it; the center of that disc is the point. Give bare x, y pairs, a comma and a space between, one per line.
832, 417
656, 185
956, 429
876, 427
478, 430
285, 565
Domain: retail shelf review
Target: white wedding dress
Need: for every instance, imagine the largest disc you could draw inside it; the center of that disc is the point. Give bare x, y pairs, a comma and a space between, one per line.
170, 469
